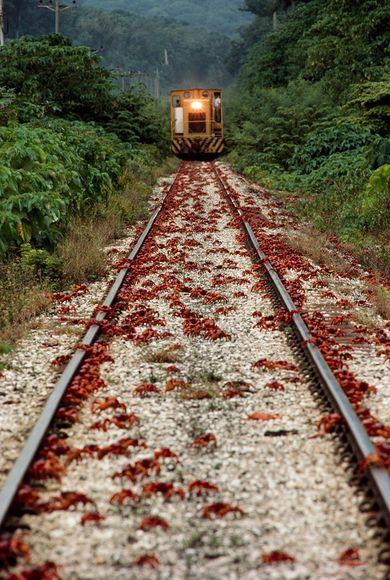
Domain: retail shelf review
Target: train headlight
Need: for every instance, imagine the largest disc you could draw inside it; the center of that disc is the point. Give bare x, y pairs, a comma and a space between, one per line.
196, 105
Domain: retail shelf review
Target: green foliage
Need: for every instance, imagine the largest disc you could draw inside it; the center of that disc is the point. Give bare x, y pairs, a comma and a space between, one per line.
323, 143
375, 202
379, 152
373, 100
270, 122
125, 42
49, 76
40, 263
314, 118
50, 72
49, 173
351, 44
321, 40
137, 118
278, 58
222, 16
134, 43
338, 178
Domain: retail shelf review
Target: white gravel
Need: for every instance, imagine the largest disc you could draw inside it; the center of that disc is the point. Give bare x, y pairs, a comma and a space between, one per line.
284, 477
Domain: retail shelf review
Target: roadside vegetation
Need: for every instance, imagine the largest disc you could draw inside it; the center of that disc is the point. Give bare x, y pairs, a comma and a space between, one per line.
309, 114
78, 164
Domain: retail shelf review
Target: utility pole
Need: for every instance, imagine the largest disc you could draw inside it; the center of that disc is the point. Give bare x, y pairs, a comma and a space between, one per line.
157, 84
1, 23
57, 8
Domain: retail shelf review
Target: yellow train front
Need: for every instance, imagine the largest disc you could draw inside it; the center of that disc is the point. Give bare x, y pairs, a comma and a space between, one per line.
196, 122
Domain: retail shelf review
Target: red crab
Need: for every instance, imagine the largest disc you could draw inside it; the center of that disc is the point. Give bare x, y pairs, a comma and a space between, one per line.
11, 548
47, 571
145, 389
176, 384
95, 517
220, 509
129, 472
172, 369
75, 453
61, 360
121, 421
100, 405
27, 497
350, 557
143, 466
201, 487
276, 556
204, 440
166, 453
124, 494
263, 417
120, 448
66, 500
146, 560
327, 423
47, 467
166, 489
275, 386
263, 363
153, 522
69, 414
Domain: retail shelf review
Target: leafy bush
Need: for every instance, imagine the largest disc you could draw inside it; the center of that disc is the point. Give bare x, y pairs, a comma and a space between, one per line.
137, 118
379, 152
375, 202
49, 173
373, 100
340, 174
48, 76
62, 78
322, 143
273, 121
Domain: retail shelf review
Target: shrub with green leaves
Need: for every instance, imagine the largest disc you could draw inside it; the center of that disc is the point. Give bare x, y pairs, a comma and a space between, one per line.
62, 78
49, 173
375, 201
322, 143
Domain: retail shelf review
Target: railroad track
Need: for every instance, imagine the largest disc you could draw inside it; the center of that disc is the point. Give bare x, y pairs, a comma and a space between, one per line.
190, 204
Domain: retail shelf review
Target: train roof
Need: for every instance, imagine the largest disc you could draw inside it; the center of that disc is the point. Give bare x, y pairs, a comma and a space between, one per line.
196, 89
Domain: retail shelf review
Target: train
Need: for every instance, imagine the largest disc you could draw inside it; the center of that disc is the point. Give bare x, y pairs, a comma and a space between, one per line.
196, 122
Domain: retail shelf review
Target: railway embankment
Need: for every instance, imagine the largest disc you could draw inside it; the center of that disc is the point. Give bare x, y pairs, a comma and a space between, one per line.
195, 440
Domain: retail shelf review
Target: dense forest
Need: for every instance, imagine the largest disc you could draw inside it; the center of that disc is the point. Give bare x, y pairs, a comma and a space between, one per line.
147, 46
309, 112
221, 16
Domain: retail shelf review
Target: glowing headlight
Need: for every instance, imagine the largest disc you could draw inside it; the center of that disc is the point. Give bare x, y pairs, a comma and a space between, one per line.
196, 105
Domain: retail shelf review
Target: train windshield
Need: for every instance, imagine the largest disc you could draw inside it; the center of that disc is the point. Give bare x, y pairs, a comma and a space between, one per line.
197, 122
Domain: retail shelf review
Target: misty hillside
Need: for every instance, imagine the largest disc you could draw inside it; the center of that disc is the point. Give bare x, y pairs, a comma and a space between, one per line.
223, 16
160, 52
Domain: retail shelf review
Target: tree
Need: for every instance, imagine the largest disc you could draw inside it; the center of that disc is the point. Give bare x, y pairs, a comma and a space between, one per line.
64, 79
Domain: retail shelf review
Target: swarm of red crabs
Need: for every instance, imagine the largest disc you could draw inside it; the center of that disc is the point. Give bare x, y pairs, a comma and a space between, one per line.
134, 318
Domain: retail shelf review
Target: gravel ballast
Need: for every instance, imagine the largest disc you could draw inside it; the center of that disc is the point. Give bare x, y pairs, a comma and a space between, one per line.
223, 395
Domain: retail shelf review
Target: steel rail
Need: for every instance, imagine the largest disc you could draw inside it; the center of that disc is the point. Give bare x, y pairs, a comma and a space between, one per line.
358, 436
21, 465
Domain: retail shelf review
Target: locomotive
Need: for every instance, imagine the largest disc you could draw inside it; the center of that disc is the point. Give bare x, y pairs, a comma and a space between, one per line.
196, 122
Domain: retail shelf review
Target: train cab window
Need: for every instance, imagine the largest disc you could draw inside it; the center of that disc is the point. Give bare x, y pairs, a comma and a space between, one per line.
176, 101
197, 122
